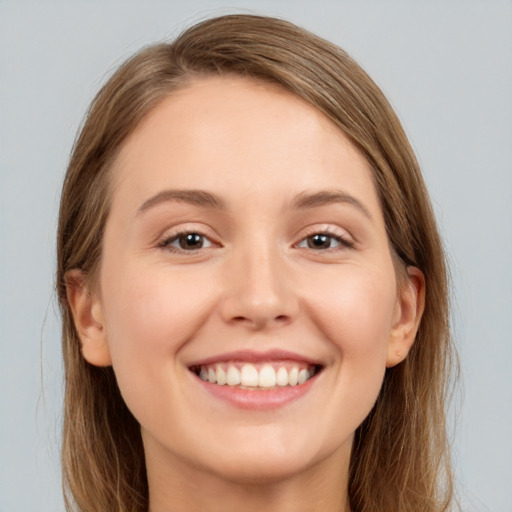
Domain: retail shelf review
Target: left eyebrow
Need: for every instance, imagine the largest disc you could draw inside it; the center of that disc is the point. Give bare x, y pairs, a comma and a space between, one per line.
327, 197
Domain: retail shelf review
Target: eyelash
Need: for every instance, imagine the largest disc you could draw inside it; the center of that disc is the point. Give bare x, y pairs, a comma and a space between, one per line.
343, 241
165, 243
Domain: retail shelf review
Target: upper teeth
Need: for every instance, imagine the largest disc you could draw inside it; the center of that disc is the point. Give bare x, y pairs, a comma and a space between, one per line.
248, 375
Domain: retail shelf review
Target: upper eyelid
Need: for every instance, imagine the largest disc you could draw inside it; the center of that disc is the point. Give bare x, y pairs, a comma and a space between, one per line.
336, 231
342, 240
187, 227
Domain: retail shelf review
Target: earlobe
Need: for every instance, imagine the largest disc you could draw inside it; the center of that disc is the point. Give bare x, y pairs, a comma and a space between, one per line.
88, 317
408, 313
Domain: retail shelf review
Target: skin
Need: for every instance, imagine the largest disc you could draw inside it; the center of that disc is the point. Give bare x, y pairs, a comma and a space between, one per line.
256, 285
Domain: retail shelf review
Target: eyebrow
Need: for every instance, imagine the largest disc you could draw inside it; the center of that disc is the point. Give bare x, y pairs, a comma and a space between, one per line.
327, 197
208, 200
195, 197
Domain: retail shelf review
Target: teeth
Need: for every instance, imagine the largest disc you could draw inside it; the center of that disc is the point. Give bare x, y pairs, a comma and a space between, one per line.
282, 377
248, 376
233, 376
293, 376
267, 377
304, 375
221, 375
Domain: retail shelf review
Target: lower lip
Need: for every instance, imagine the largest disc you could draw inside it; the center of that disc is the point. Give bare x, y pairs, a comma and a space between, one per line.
258, 399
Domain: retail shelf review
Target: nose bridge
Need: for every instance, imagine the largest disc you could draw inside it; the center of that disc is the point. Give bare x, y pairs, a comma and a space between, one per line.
259, 288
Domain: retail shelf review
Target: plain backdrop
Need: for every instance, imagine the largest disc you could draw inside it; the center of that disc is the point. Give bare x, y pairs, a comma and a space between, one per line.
446, 68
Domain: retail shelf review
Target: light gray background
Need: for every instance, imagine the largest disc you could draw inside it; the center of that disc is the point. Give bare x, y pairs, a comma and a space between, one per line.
447, 69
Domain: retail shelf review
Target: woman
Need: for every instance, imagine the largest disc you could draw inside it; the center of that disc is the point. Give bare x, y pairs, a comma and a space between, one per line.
253, 287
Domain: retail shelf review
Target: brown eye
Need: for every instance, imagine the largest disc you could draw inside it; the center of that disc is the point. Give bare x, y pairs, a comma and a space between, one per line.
187, 242
319, 241
190, 241
324, 241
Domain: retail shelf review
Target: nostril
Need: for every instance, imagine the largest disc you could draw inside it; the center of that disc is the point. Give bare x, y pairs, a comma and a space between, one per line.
243, 318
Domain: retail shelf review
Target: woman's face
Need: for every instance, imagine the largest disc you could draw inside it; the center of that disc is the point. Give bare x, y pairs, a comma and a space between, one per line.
245, 242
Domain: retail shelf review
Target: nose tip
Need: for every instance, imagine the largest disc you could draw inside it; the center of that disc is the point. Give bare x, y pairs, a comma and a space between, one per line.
259, 295
258, 315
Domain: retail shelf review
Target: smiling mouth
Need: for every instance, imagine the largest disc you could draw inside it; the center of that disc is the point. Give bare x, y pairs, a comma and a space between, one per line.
259, 376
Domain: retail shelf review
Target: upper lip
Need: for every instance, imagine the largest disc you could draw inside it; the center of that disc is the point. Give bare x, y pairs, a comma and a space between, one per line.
251, 356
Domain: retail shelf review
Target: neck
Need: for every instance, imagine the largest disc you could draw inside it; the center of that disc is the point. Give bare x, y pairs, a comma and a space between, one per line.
180, 488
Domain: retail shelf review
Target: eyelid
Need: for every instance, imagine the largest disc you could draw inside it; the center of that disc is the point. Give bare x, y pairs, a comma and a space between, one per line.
173, 233
337, 232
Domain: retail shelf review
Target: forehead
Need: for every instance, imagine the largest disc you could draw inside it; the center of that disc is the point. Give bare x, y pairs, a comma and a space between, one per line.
234, 133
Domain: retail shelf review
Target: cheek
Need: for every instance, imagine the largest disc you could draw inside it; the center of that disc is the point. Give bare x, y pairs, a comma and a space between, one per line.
151, 313
356, 308
356, 315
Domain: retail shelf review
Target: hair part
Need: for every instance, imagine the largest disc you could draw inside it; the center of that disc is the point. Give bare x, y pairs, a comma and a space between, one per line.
400, 457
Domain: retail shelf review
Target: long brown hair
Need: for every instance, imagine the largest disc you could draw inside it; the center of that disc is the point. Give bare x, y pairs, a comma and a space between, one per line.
400, 459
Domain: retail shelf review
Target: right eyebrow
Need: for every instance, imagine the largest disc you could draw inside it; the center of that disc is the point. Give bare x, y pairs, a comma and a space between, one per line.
327, 197
195, 197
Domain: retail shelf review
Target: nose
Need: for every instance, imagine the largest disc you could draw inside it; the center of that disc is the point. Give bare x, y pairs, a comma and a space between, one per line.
258, 290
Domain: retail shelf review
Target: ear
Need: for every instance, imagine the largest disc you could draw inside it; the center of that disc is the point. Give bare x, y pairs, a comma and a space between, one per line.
89, 321
408, 312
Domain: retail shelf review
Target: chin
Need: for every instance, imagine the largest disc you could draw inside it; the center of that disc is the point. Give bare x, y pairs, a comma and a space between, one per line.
266, 462
261, 472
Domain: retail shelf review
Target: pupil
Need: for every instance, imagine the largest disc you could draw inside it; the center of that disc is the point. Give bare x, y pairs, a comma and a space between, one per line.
319, 241
191, 241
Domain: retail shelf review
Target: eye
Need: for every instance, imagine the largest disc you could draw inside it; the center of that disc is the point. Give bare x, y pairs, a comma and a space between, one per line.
324, 241
187, 241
